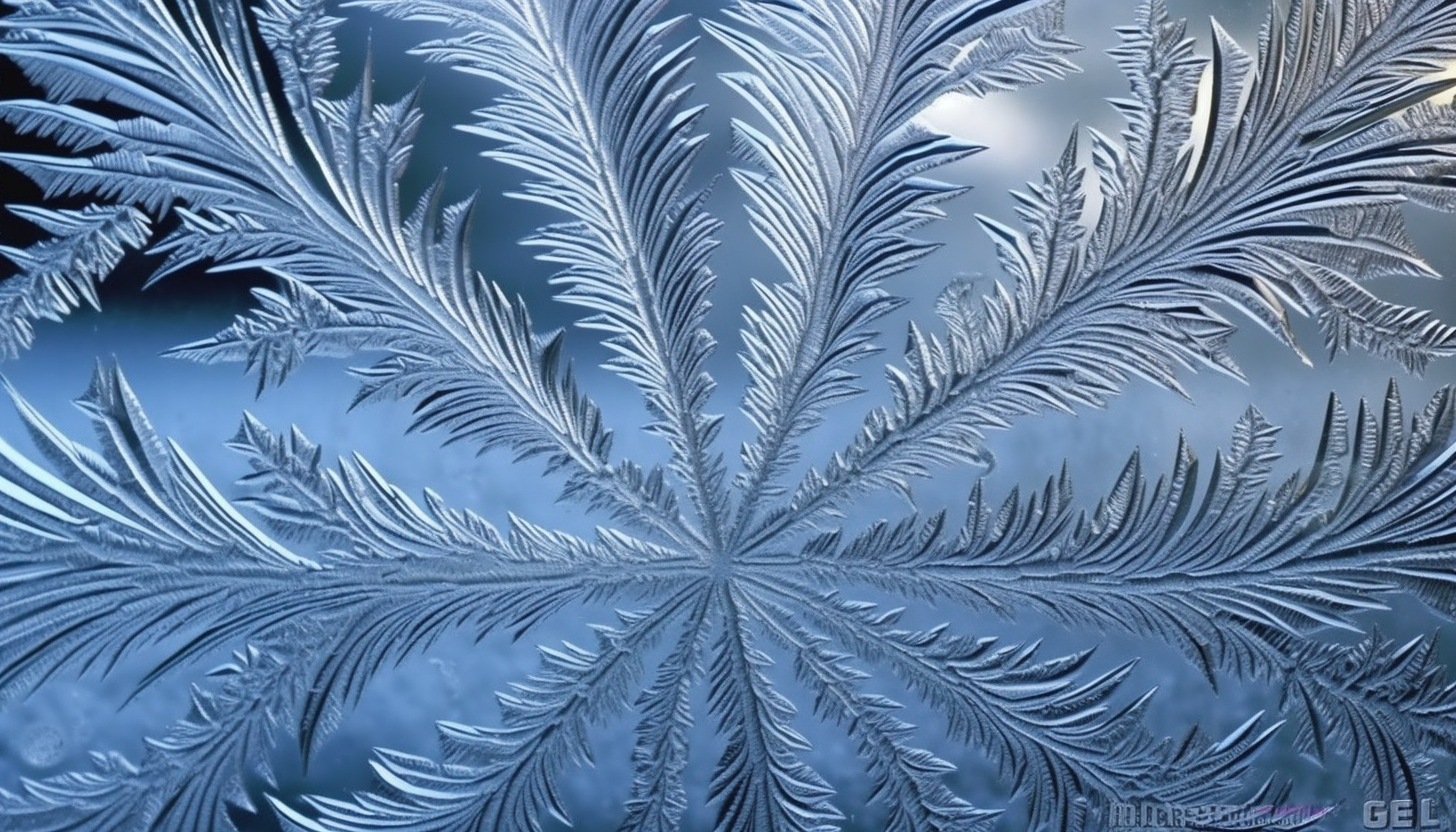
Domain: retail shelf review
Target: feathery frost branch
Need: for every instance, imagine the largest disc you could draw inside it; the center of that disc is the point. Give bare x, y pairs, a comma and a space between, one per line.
906, 779
759, 778
1215, 575
841, 181
188, 777
1387, 705
91, 542
60, 273
1289, 197
1045, 729
504, 778
207, 132
595, 110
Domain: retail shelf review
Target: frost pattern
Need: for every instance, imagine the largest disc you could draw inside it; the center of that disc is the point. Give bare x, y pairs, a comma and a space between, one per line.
1282, 192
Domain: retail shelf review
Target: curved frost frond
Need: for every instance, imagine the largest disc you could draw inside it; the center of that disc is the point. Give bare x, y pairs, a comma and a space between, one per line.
596, 111
286, 328
1387, 706
206, 130
57, 275
1213, 573
1287, 198
907, 780
759, 782
1239, 577
1061, 737
189, 777
841, 177
139, 496
505, 778
115, 549
519, 577
355, 512
660, 757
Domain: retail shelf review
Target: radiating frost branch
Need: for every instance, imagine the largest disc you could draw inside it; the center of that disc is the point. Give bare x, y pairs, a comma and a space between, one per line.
907, 780
1387, 706
116, 549
503, 779
139, 494
187, 778
57, 275
1046, 729
1290, 197
206, 133
354, 512
378, 617
367, 617
840, 185
286, 327
595, 110
1215, 574
365, 620
1238, 577
660, 757
759, 784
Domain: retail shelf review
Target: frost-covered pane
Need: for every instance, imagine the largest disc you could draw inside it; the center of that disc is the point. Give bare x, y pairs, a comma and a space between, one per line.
766, 595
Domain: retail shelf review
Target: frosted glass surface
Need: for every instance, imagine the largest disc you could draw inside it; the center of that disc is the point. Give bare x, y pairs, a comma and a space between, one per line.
637, 421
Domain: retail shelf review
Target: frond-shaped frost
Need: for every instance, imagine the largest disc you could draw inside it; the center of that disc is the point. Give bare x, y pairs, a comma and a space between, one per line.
660, 757
504, 778
57, 275
138, 495
1387, 705
1210, 574
596, 111
188, 777
1237, 578
759, 783
287, 327
1050, 731
207, 131
841, 182
89, 543
87, 540
1288, 212
906, 779
358, 513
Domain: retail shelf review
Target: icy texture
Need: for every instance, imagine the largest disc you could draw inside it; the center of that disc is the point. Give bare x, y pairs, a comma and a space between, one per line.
1281, 192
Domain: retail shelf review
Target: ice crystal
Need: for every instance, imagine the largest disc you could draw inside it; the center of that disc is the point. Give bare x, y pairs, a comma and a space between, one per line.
216, 133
